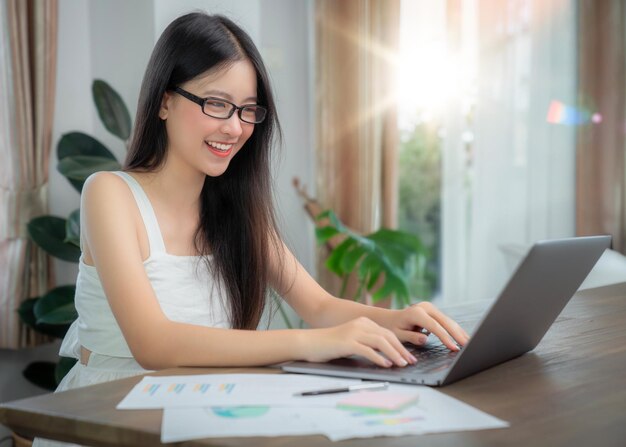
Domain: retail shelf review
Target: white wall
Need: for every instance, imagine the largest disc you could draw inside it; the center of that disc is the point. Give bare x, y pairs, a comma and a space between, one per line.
73, 106
99, 39
285, 30
246, 13
112, 40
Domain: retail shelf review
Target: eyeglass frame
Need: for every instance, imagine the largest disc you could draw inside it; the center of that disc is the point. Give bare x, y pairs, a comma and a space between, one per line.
201, 101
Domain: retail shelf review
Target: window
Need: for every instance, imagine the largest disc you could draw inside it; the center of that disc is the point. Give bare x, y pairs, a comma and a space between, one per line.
484, 174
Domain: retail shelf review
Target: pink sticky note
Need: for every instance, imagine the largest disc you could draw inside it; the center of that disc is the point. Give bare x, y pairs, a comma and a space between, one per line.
377, 400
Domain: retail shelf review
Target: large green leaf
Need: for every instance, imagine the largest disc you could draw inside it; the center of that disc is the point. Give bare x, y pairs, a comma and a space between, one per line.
400, 257
352, 257
57, 306
399, 238
369, 266
27, 315
394, 285
334, 220
48, 232
374, 273
111, 109
333, 262
72, 228
63, 367
79, 167
41, 374
324, 233
391, 254
78, 143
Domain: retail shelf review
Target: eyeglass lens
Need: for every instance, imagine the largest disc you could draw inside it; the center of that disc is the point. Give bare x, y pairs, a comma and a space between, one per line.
224, 110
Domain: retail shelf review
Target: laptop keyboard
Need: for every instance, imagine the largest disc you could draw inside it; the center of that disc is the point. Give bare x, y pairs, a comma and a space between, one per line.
430, 358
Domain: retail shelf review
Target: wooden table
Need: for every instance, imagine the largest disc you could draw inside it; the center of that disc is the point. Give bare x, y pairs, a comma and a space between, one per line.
571, 390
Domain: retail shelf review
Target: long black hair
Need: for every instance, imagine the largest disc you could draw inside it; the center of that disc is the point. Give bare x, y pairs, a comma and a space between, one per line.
237, 223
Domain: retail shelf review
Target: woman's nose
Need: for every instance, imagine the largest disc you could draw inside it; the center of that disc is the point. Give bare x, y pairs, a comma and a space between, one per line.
232, 125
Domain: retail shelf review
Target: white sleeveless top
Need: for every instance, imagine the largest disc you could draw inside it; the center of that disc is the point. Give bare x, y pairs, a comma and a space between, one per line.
183, 286
185, 291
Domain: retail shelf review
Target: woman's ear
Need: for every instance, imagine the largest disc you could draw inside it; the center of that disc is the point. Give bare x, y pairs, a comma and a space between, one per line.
165, 104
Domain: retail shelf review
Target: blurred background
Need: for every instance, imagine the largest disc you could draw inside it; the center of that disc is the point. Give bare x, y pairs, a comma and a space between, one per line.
479, 126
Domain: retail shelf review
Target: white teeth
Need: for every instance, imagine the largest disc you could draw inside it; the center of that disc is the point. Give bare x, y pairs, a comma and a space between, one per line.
219, 146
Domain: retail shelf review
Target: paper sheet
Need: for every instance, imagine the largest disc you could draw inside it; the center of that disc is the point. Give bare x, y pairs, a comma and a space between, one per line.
243, 405
229, 389
433, 412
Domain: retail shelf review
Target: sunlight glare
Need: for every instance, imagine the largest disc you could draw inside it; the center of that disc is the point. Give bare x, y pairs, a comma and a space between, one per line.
429, 74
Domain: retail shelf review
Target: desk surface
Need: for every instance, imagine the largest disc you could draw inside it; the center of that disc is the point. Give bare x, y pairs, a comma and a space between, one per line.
571, 390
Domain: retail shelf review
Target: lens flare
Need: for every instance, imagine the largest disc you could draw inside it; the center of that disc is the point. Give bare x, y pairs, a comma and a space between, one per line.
559, 113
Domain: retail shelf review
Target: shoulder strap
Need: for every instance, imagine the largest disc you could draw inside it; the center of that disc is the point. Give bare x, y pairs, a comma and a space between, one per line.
155, 237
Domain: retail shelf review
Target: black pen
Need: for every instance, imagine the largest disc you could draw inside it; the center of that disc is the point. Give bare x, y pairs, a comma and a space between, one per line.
347, 389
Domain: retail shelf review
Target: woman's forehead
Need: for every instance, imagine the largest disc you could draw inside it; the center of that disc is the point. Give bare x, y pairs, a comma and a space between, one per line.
238, 77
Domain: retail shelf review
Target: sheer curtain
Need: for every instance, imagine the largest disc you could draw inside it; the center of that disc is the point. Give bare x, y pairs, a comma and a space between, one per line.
509, 174
356, 46
28, 31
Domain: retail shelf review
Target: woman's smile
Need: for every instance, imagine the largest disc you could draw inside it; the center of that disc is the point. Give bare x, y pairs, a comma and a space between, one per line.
220, 149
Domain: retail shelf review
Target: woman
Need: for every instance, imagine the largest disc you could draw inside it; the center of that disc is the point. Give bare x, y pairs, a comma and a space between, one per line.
179, 249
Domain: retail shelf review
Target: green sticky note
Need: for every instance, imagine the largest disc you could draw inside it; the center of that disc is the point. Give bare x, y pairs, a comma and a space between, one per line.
377, 401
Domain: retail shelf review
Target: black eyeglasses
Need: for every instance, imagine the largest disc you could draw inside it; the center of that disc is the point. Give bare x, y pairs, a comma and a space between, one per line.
221, 109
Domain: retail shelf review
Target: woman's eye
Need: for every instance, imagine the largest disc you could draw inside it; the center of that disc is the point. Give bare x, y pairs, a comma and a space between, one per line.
216, 104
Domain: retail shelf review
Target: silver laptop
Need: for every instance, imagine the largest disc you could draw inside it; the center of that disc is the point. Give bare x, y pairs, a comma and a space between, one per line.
535, 295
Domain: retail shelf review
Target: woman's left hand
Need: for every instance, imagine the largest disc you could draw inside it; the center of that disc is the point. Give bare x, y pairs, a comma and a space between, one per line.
408, 324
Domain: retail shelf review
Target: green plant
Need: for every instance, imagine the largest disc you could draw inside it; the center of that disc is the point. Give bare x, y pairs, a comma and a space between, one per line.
79, 155
419, 190
395, 258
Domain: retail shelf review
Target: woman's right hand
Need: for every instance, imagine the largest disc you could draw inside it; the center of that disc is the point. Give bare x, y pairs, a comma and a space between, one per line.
360, 336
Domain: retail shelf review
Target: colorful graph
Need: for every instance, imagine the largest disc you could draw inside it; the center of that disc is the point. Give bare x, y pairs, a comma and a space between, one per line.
176, 388
391, 421
226, 387
194, 388
151, 389
201, 387
240, 412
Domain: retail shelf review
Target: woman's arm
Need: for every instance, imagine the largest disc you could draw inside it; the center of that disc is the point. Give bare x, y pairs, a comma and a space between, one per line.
110, 232
320, 309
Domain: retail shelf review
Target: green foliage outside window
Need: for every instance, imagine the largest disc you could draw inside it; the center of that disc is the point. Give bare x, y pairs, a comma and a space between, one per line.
419, 210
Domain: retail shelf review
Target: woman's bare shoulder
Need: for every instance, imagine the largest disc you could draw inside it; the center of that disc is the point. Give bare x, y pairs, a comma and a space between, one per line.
107, 210
104, 189
102, 178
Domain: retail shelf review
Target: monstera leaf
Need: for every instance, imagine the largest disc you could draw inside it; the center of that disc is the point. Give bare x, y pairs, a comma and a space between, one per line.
79, 155
390, 254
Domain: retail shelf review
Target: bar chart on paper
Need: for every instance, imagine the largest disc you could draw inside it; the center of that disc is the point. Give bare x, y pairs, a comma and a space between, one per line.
221, 390
158, 390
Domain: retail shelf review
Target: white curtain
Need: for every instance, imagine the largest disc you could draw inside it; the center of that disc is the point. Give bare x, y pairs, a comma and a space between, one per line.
508, 173
27, 86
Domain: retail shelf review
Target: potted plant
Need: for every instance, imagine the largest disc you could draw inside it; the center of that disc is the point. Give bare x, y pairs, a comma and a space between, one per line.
79, 155
386, 263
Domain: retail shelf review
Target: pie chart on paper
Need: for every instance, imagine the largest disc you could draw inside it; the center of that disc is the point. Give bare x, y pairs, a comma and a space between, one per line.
240, 412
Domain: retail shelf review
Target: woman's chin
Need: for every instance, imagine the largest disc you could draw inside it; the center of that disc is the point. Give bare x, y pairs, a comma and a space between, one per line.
216, 171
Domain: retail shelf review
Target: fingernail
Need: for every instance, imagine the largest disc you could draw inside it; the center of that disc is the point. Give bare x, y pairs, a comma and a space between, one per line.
388, 363
403, 362
413, 358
